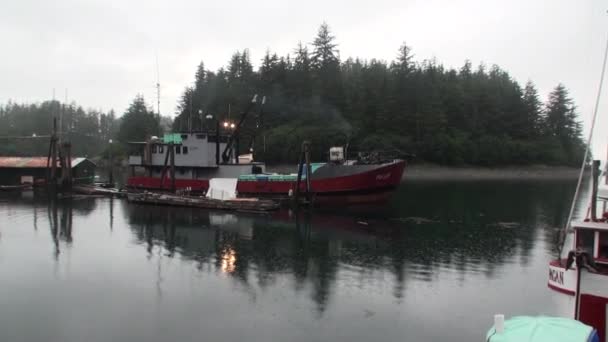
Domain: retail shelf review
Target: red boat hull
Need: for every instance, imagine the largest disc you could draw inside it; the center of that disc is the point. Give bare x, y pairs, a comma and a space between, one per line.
336, 184
372, 184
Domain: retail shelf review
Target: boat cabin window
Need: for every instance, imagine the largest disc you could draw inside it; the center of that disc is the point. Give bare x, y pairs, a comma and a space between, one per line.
585, 239
160, 148
184, 136
212, 138
178, 149
602, 252
185, 150
153, 148
200, 136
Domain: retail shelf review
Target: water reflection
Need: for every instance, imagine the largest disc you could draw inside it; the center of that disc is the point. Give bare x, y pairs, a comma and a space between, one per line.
469, 227
60, 229
463, 249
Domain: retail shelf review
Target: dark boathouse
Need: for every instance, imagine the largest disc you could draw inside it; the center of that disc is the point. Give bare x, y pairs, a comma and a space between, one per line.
33, 170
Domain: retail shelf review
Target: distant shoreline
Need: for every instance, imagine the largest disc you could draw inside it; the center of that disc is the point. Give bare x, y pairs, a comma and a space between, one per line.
438, 172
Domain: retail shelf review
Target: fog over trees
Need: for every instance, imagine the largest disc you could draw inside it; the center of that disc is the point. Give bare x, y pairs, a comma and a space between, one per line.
476, 115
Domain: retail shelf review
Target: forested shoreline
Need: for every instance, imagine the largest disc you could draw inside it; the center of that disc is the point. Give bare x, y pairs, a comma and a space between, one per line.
470, 115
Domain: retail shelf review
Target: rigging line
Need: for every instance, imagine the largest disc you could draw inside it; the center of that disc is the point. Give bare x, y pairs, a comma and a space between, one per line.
580, 176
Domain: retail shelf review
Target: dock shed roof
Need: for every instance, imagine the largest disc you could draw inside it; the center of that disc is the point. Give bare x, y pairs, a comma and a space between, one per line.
31, 162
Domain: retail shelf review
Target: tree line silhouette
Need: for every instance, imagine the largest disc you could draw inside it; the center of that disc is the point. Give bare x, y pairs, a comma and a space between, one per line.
477, 116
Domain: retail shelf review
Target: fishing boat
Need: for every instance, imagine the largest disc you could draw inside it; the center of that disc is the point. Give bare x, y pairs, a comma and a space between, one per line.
579, 277
189, 160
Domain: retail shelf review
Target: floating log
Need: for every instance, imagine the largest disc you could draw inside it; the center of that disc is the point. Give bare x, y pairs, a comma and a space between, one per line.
241, 204
96, 190
15, 187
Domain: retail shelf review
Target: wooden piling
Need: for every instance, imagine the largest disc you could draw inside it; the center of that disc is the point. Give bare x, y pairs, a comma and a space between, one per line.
306, 150
54, 153
67, 166
299, 178
304, 162
165, 166
173, 167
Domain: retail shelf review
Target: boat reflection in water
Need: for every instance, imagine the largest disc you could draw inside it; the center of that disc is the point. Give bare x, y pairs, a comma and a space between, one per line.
318, 250
119, 271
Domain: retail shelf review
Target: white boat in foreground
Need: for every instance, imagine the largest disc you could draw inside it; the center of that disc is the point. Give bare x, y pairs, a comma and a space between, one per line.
579, 277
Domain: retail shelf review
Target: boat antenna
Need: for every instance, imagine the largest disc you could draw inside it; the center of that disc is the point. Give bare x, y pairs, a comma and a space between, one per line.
157, 87
584, 162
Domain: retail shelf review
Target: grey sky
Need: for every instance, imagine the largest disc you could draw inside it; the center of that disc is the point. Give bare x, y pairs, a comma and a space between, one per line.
103, 51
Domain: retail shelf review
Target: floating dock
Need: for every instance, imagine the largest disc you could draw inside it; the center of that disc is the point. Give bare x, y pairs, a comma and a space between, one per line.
237, 204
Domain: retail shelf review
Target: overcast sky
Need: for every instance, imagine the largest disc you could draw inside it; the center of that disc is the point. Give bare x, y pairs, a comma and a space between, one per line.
104, 51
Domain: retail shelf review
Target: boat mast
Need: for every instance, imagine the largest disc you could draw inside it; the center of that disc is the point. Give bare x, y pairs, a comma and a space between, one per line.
587, 147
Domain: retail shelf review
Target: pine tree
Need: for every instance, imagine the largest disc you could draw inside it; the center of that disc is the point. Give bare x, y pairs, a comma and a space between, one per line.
138, 123
532, 111
558, 107
404, 63
324, 52
326, 66
301, 79
562, 124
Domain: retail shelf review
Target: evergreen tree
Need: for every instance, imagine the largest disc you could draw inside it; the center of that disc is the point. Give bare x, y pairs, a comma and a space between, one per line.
561, 124
326, 71
138, 123
301, 80
88, 130
532, 111
324, 52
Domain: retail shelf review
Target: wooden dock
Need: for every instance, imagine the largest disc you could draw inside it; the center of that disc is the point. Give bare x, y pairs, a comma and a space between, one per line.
237, 204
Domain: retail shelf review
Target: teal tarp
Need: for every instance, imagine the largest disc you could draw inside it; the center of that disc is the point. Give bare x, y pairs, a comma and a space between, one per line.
542, 329
175, 138
280, 177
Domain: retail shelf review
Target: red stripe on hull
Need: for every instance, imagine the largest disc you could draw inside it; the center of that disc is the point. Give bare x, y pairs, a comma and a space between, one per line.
560, 290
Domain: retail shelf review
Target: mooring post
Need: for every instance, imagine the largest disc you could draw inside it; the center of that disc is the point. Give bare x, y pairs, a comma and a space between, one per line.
165, 165
236, 148
299, 179
48, 161
173, 166
306, 148
68, 165
110, 161
54, 153
147, 160
217, 141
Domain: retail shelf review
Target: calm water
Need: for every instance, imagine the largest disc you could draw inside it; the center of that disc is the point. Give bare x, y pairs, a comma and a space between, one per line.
434, 265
